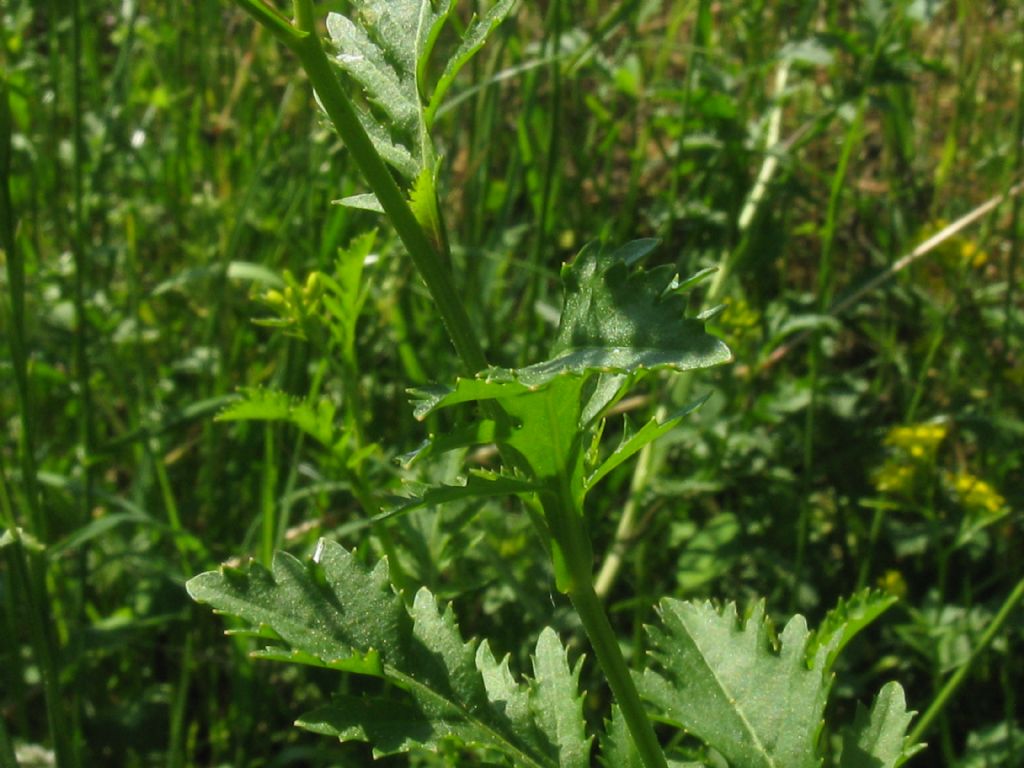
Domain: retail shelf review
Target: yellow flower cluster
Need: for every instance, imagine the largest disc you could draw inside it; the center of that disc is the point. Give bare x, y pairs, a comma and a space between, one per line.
893, 583
739, 322
911, 466
974, 493
915, 446
919, 441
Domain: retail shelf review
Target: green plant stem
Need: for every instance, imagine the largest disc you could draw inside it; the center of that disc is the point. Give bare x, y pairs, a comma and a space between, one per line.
429, 263
573, 559
609, 656
83, 374
305, 43
957, 678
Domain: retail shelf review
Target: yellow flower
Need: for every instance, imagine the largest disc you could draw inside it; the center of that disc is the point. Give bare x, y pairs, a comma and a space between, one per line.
974, 493
920, 441
893, 583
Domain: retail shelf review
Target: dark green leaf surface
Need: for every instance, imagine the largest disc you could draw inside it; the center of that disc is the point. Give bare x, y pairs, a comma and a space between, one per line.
616, 318
331, 611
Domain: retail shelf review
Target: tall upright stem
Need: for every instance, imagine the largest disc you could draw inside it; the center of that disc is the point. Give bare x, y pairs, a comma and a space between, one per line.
609, 656
574, 544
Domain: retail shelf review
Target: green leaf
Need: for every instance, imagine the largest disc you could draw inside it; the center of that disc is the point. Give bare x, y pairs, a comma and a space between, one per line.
476, 35
846, 620
727, 684
385, 47
878, 739
479, 432
345, 292
315, 418
632, 443
617, 750
708, 555
333, 612
480, 484
615, 319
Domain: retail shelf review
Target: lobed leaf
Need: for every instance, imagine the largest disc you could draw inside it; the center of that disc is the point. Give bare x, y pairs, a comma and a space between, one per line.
333, 612
726, 683
759, 701
313, 417
632, 319
480, 484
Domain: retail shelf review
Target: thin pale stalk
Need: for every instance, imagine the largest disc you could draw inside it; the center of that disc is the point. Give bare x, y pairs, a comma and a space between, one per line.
956, 679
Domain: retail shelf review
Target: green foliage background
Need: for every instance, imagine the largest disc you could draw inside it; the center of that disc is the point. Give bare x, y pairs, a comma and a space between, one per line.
170, 180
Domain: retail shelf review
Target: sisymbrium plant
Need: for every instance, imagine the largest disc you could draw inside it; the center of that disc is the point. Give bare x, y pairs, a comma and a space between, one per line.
753, 698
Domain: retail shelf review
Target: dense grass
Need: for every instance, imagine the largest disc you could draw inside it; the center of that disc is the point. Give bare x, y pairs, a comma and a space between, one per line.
163, 165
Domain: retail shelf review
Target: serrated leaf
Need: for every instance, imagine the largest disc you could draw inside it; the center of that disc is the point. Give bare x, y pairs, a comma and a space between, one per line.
850, 616
480, 432
726, 683
627, 316
478, 485
493, 384
555, 685
879, 739
423, 204
331, 611
618, 751
476, 35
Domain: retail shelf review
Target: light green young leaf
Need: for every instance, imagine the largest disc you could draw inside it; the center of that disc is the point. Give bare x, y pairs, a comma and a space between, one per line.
333, 612
726, 683
633, 442
315, 418
344, 292
879, 739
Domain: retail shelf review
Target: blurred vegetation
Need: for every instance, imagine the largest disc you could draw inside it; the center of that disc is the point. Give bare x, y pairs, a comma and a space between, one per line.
168, 181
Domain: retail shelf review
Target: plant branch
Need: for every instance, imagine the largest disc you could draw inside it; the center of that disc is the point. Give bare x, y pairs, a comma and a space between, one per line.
307, 46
